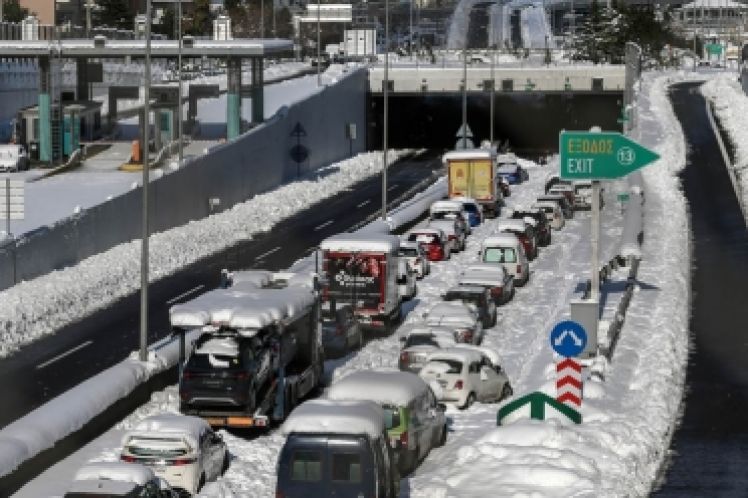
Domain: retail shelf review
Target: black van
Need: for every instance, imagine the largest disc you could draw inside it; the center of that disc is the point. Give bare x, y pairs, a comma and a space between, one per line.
349, 460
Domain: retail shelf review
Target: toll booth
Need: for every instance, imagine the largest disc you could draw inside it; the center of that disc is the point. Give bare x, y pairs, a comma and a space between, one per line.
77, 121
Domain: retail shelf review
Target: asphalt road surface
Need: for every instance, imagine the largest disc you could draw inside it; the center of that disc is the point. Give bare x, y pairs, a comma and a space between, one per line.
710, 447
53, 365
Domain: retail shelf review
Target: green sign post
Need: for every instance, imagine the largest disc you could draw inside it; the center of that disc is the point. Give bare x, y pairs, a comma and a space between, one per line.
600, 156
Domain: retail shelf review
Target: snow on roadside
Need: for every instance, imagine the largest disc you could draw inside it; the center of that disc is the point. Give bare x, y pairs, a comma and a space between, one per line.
629, 418
39, 307
730, 104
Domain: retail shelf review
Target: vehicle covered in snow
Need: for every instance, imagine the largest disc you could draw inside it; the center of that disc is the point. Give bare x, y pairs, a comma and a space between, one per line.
340, 330
465, 376
472, 173
477, 296
525, 233
120, 480
491, 277
508, 167
472, 208
553, 213
415, 421
365, 271
419, 340
436, 244
451, 210
507, 250
260, 351
540, 222
562, 201
337, 448
454, 230
415, 255
461, 317
182, 450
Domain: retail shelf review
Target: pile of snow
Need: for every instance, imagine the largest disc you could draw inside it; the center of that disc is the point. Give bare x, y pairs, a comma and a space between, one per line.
39, 307
730, 105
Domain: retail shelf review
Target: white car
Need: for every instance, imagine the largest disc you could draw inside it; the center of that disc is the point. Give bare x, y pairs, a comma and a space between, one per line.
493, 277
463, 318
416, 257
118, 479
465, 376
507, 250
452, 210
553, 214
418, 341
180, 449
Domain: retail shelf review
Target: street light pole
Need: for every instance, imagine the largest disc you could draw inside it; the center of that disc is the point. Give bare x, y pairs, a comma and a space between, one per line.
319, 61
493, 89
262, 18
410, 33
464, 96
145, 228
386, 105
180, 149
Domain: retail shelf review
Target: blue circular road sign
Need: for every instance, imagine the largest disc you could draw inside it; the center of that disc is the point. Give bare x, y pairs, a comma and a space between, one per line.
568, 338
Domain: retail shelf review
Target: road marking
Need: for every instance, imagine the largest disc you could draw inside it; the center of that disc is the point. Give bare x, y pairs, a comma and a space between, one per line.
392, 187
362, 204
271, 251
184, 294
325, 224
63, 355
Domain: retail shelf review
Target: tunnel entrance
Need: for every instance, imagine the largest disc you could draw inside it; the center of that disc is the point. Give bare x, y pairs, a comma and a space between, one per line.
529, 122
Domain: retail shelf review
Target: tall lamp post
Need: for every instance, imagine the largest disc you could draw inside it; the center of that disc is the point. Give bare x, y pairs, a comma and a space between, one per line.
145, 228
319, 73
386, 105
464, 96
180, 153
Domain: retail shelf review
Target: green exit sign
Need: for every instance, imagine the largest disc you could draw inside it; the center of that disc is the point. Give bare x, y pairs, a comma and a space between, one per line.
600, 156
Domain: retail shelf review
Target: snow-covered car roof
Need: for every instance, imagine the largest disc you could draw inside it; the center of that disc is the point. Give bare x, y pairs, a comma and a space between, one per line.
449, 308
165, 425
563, 187
390, 387
460, 354
446, 226
511, 224
322, 416
506, 158
551, 197
449, 206
469, 288
259, 278
546, 204
242, 306
483, 274
407, 244
360, 242
489, 352
426, 231
456, 155
119, 476
503, 240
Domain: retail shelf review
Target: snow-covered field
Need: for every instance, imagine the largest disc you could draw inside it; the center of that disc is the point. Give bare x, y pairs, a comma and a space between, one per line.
730, 105
33, 309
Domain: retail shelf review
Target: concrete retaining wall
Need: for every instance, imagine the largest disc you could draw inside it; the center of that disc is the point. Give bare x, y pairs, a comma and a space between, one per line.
253, 163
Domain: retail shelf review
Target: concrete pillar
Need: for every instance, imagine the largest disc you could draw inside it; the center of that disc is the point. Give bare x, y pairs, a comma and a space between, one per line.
45, 111
81, 70
258, 91
234, 98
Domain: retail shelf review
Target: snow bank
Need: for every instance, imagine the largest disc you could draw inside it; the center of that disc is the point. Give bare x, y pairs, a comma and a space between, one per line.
48, 424
39, 307
730, 105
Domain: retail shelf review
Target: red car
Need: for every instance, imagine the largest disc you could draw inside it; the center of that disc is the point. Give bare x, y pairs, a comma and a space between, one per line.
434, 242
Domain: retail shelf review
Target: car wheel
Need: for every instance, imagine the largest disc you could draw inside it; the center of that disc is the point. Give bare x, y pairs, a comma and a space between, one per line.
442, 437
201, 483
468, 402
506, 391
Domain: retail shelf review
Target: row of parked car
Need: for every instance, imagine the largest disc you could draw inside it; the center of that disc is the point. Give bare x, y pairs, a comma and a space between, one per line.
264, 337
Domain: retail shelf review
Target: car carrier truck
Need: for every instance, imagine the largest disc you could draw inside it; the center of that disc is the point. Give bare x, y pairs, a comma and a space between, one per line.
260, 352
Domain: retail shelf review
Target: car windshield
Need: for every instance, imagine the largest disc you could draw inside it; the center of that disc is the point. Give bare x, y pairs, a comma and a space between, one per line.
470, 208
346, 467
420, 340
446, 366
499, 255
410, 252
391, 416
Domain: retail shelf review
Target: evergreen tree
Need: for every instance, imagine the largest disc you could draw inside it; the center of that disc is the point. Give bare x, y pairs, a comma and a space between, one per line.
113, 14
13, 12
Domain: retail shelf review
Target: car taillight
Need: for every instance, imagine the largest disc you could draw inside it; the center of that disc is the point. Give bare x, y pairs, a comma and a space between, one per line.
458, 384
339, 330
418, 261
404, 439
127, 458
404, 358
452, 237
467, 335
241, 376
182, 461
519, 269
496, 291
325, 293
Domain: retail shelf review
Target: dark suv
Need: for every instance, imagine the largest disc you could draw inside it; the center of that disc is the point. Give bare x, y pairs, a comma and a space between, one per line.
228, 371
542, 227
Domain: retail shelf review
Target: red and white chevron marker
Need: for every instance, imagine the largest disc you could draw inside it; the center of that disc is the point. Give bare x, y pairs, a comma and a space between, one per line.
569, 382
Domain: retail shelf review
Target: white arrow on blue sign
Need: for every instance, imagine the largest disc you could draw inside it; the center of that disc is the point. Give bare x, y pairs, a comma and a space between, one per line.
568, 338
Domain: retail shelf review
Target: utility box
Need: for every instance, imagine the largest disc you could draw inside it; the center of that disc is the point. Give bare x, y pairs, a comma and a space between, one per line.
586, 312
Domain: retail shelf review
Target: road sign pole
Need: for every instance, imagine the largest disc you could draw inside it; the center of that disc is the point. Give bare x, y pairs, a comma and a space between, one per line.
595, 237
569, 382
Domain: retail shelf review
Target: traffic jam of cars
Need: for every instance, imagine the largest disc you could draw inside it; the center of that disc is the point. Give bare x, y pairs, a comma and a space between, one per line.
259, 360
